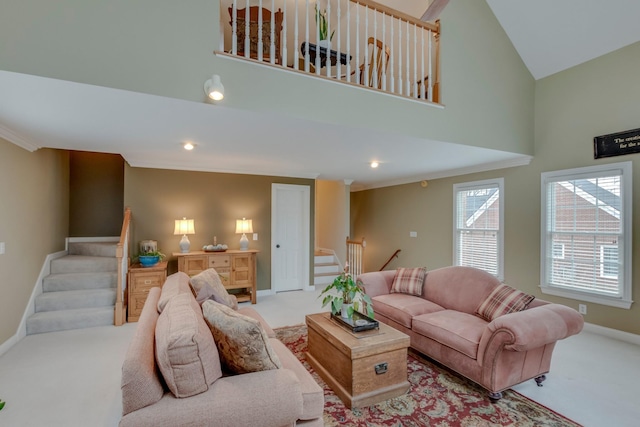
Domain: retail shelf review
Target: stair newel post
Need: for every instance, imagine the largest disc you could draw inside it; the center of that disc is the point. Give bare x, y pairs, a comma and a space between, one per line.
122, 256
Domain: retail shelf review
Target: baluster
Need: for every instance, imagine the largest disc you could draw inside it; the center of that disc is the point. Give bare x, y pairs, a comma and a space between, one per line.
283, 57
366, 46
338, 64
408, 79
358, 71
234, 29
400, 83
272, 40
415, 61
306, 34
422, 65
296, 41
384, 54
374, 73
348, 41
247, 42
392, 53
430, 92
317, 18
328, 61
260, 45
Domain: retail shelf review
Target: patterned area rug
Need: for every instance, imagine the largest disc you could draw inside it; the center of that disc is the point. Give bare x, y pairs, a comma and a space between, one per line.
437, 397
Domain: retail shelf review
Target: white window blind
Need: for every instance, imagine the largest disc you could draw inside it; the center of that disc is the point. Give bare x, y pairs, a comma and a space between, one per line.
478, 219
586, 211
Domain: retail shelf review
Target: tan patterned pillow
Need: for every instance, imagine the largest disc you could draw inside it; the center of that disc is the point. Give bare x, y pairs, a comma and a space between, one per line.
242, 343
207, 285
185, 352
503, 300
409, 281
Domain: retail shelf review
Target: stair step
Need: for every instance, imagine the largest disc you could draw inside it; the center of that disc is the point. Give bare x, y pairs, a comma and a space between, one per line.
62, 320
332, 268
106, 249
77, 281
323, 259
323, 279
70, 300
83, 264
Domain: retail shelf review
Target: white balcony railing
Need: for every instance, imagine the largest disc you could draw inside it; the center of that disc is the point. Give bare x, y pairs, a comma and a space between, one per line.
357, 42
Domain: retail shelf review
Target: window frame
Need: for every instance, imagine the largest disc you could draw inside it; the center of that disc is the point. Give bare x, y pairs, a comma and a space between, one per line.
481, 185
624, 170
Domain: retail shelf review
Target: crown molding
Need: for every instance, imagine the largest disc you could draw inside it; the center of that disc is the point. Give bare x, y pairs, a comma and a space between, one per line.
17, 139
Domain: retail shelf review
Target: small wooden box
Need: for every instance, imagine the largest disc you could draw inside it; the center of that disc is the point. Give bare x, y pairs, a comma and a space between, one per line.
362, 368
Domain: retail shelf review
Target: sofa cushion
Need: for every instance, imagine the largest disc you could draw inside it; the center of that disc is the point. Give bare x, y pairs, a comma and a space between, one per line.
459, 288
409, 281
459, 331
175, 284
208, 286
503, 300
402, 308
185, 351
250, 312
242, 343
312, 393
141, 385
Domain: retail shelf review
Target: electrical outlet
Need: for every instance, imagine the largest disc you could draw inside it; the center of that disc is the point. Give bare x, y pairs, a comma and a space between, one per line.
1, 248
582, 308
413, 234
255, 236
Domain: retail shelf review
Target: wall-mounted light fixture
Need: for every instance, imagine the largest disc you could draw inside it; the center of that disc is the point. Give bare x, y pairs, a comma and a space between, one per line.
214, 88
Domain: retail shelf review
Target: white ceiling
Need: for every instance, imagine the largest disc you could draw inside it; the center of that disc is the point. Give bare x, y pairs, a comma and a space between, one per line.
148, 130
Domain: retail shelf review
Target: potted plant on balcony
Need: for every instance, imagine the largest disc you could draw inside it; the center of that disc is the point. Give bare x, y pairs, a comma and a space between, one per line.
323, 29
346, 296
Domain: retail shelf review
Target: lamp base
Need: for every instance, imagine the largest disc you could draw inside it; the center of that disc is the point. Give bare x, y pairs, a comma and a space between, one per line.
185, 244
244, 242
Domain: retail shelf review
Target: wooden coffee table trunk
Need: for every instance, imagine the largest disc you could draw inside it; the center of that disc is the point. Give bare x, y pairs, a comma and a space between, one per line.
362, 368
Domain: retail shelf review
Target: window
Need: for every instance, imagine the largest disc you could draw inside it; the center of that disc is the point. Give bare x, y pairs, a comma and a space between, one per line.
478, 224
586, 234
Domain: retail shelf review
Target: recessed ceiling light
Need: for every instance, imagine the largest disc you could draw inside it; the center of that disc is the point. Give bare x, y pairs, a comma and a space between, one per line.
188, 146
374, 164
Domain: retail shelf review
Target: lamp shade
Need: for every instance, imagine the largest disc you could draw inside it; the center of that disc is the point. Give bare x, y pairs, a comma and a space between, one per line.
244, 226
184, 226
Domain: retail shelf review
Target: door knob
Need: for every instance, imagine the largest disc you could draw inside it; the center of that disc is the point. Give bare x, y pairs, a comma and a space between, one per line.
278, 246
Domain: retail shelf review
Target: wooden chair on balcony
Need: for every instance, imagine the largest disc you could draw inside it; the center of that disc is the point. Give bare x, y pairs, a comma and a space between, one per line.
378, 60
254, 25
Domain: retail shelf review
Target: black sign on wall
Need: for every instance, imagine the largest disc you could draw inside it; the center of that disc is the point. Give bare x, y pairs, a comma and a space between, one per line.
617, 144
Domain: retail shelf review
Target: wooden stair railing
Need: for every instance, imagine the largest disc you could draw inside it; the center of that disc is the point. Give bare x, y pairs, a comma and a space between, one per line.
122, 255
355, 254
395, 255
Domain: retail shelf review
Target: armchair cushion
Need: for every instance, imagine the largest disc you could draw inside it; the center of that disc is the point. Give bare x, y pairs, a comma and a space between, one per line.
175, 284
409, 281
242, 342
503, 300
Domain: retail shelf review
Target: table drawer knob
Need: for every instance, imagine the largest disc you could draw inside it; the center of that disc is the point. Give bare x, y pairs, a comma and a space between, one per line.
147, 282
381, 368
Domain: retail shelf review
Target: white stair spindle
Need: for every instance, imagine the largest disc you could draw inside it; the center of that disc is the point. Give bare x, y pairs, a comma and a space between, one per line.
272, 40
296, 41
400, 83
392, 88
384, 54
430, 92
374, 74
306, 39
234, 29
415, 61
318, 11
408, 79
422, 85
358, 71
260, 41
247, 43
366, 46
328, 61
338, 64
283, 57
348, 41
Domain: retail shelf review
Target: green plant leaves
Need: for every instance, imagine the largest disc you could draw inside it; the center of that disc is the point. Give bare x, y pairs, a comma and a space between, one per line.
2, 404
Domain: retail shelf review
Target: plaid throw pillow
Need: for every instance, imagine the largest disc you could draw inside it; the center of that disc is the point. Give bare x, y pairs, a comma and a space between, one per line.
409, 281
503, 300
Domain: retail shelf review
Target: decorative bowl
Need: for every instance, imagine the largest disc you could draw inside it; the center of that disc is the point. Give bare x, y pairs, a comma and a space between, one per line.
148, 260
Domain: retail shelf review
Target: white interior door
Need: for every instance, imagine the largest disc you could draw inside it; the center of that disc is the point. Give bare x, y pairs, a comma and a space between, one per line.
290, 237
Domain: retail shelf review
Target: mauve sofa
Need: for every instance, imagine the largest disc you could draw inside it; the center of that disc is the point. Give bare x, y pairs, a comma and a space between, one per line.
443, 325
288, 396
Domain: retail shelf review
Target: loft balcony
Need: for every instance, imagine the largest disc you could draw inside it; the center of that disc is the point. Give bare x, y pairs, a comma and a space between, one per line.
354, 42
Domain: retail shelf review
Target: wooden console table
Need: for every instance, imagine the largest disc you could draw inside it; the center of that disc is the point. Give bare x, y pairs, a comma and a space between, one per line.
237, 269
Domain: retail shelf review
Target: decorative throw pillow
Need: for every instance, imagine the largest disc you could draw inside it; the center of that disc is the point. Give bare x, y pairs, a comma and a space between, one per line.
186, 354
242, 343
409, 281
207, 285
503, 300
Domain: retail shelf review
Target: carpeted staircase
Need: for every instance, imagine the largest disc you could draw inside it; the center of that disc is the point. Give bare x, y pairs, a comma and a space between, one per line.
80, 291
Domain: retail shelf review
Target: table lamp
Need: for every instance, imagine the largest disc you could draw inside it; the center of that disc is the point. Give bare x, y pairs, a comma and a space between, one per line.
244, 226
184, 226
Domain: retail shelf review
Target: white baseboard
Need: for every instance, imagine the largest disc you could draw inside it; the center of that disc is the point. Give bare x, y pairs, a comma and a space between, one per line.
5, 346
265, 293
612, 333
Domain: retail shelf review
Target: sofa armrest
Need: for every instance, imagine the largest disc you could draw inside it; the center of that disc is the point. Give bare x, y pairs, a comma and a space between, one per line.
377, 282
266, 398
532, 328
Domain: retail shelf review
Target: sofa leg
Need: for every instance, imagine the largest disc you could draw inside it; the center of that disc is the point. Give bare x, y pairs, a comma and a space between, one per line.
540, 379
494, 397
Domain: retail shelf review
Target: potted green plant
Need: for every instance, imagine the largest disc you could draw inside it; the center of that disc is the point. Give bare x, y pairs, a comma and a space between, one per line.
346, 296
323, 28
149, 258
1, 404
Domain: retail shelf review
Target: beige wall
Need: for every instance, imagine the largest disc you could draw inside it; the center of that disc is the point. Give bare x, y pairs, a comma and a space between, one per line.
596, 98
332, 216
158, 197
34, 214
143, 46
